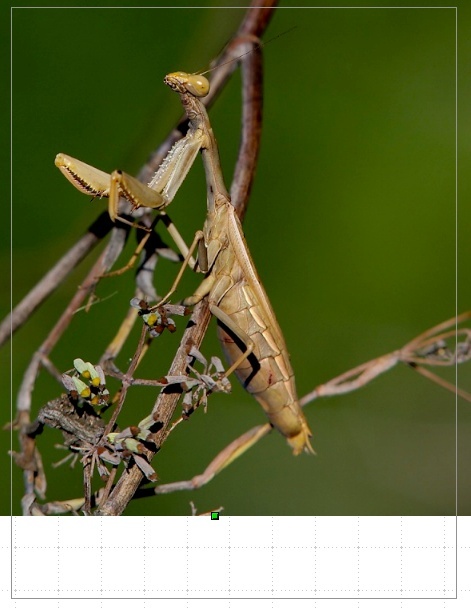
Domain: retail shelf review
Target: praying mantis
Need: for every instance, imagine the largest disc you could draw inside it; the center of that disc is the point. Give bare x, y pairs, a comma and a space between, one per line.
248, 329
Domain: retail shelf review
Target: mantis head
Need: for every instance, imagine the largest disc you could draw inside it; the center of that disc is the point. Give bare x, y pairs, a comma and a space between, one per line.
196, 85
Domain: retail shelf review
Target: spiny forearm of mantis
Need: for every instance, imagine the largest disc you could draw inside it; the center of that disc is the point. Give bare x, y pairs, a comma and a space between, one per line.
162, 187
159, 192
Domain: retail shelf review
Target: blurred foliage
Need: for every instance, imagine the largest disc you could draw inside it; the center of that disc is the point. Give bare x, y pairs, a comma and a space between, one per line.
351, 225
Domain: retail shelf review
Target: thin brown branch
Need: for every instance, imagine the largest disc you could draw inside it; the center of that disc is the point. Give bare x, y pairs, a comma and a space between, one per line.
252, 102
163, 408
428, 348
27, 458
443, 383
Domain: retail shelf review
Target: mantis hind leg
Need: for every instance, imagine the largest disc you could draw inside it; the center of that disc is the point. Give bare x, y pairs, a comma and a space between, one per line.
142, 243
232, 451
199, 236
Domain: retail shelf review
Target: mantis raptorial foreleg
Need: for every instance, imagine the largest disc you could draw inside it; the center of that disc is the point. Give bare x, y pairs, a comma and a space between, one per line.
160, 190
156, 195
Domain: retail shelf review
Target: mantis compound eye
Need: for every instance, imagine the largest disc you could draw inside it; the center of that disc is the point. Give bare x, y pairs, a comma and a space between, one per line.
197, 85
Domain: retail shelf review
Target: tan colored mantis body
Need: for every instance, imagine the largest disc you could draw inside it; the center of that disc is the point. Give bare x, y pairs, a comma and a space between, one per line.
248, 329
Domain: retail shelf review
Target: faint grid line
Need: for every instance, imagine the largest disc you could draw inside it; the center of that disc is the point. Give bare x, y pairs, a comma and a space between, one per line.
101, 556
58, 556
272, 556
444, 553
315, 555
13, 573
145, 556
401, 551
358, 555
187, 545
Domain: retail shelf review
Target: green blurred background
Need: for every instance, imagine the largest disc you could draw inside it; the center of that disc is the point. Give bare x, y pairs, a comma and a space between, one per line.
351, 225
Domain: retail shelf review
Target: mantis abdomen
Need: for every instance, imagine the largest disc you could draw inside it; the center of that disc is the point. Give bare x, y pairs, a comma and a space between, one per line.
266, 372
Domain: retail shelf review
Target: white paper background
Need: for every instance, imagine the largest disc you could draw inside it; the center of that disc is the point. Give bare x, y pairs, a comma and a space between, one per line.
270, 560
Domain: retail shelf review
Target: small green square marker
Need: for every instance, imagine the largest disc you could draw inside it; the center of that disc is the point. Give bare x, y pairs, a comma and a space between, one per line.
214, 515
